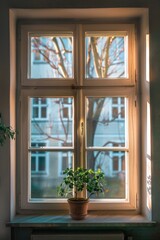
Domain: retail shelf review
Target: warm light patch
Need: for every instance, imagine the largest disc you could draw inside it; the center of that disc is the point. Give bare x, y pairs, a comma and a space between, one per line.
148, 160
148, 130
148, 183
147, 58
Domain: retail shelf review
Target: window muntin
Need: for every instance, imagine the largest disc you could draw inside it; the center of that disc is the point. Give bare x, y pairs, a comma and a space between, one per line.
106, 55
51, 56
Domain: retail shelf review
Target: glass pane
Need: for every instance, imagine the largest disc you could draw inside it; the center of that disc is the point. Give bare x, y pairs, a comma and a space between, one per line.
35, 112
33, 163
56, 129
43, 112
35, 100
106, 56
105, 121
49, 173
42, 163
113, 165
51, 56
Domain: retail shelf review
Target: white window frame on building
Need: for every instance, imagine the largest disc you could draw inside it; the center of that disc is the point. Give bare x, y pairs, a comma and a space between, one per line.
40, 106
37, 156
79, 87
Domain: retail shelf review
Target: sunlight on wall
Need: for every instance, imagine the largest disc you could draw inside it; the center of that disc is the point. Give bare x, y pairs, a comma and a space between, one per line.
148, 179
148, 130
147, 58
148, 159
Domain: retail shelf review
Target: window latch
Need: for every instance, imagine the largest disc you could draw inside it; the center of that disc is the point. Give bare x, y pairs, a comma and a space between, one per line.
82, 128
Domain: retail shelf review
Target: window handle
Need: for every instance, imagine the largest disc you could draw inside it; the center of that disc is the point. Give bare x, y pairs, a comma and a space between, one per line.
82, 128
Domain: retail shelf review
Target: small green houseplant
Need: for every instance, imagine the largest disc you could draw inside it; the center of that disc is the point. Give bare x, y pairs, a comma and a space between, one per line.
6, 132
74, 182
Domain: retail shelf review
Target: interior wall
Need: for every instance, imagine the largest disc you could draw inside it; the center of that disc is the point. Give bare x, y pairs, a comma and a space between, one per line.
5, 111
7, 79
155, 109
144, 91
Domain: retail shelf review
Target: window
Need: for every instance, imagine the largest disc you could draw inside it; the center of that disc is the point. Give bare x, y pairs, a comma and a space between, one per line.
38, 160
66, 161
51, 49
81, 104
39, 108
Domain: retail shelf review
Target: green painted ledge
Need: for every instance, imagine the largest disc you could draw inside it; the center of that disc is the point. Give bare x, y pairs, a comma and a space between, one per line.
92, 221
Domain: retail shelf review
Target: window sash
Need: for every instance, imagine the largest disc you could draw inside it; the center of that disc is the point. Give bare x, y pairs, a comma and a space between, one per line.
56, 54
129, 200
78, 31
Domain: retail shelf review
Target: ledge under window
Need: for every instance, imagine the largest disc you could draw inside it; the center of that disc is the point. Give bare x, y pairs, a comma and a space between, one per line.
93, 220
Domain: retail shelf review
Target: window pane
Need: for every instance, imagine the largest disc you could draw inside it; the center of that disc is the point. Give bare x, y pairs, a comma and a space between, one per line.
33, 163
115, 164
51, 56
35, 100
43, 112
112, 164
41, 163
105, 122
35, 112
65, 112
106, 56
38, 162
44, 184
67, 159
55, 129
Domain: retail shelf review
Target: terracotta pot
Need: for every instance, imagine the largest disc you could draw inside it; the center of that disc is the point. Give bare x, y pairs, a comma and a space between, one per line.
78, 208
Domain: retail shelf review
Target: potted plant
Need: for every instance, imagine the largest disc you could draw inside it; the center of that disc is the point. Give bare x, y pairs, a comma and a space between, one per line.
74, 182
6, 132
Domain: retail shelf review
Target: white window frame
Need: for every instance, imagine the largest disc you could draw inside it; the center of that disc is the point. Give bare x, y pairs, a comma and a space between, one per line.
115, 87
61, 29
118, 105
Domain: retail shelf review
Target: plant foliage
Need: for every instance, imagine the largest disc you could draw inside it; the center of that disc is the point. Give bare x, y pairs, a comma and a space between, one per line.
6, 132
80, 179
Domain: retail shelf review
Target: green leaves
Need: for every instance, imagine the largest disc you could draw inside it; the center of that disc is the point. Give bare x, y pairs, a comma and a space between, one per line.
80, 179
6, 132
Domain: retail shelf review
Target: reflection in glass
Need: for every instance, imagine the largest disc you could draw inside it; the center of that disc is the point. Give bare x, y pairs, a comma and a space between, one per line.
47, 172
51, 56
113, 164
51, 120
105, 119
105, 56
